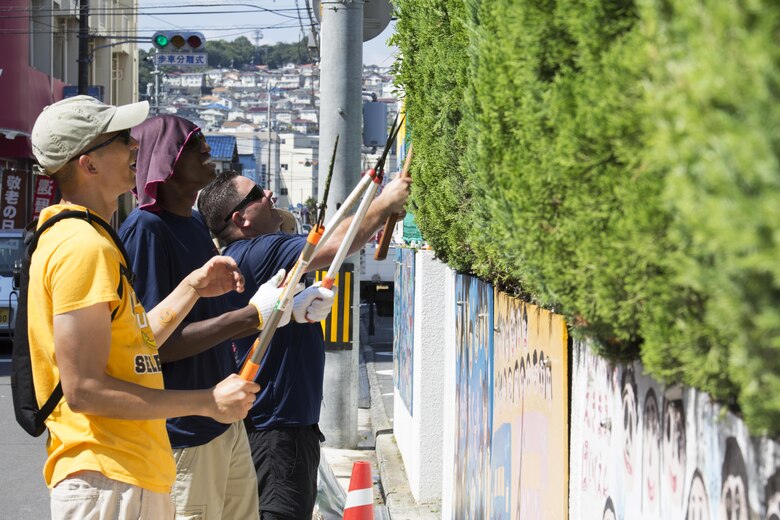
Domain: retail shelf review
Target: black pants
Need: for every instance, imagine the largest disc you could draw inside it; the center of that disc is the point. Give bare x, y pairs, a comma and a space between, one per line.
286, 462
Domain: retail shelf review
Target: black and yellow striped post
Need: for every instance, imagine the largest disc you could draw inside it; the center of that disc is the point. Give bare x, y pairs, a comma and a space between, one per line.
337, 328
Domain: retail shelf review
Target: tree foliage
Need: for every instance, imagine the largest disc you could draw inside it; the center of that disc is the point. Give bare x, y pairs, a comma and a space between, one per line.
616, 161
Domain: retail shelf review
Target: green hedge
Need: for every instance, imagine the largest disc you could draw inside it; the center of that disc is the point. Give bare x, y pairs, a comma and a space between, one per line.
616, 161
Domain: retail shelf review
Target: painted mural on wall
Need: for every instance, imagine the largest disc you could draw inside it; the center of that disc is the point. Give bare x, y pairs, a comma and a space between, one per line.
530, 412
643, 451
474, 397
403, 325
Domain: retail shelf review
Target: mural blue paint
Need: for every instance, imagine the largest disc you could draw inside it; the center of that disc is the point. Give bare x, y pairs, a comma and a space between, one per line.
474, 397
403, 325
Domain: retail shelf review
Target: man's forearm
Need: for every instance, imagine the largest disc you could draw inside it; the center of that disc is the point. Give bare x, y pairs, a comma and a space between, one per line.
373, 220
107, 396
192, 338
166, 316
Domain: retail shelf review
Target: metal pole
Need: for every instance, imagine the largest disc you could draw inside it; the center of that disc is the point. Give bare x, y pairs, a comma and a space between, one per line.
156, 73
83, 47
340, 114
267, 180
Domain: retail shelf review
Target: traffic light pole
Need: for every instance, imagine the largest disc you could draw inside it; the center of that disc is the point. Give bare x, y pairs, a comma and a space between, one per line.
156, 73
267, 181
84, 58
340, 115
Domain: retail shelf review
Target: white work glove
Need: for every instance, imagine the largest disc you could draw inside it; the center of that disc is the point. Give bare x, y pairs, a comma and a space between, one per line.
313, 304
264, 300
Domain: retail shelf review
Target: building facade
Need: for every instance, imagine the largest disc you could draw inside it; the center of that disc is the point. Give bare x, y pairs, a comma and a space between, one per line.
39, 65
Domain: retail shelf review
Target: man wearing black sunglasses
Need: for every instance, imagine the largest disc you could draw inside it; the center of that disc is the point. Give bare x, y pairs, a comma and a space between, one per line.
284, 434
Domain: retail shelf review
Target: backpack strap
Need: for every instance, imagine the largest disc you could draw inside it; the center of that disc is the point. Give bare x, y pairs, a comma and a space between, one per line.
31, 239
50, 404
32, 242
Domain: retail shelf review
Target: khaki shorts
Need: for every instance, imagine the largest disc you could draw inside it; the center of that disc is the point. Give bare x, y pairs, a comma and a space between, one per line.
216, 480
90, 495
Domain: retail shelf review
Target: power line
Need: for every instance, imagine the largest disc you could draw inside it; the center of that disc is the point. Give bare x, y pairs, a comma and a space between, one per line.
27, 12
139, 33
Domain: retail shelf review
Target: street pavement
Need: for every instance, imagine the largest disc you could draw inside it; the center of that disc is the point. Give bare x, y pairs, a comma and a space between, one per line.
24, 496
377, 357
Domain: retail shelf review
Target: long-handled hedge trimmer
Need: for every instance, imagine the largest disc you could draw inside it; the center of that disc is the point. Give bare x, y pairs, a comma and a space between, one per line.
251, 365
376, 175
317, 237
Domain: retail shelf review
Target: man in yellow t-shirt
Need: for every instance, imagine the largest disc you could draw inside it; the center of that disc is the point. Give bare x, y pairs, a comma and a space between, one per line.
109, 455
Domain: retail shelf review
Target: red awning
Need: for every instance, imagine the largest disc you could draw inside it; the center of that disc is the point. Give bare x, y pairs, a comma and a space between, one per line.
24, 90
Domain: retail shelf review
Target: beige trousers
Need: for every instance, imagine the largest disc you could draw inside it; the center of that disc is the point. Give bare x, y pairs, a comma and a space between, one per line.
89, 495
217, 480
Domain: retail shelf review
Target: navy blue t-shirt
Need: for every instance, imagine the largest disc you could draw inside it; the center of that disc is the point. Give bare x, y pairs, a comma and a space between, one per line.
291, 374
163, 249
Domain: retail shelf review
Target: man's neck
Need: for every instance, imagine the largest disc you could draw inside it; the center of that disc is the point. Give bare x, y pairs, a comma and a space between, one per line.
181, 210
174, 202
103, 209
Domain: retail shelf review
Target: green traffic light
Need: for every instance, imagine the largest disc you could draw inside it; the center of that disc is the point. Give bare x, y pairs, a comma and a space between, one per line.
161, 40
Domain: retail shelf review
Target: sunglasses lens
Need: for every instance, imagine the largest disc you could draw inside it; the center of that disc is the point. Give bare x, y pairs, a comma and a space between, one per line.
256, 193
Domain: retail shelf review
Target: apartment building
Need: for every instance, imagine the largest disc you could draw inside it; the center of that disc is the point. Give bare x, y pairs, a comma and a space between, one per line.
39, 65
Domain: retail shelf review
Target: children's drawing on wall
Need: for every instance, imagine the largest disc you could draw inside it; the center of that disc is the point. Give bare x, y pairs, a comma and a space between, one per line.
673, 454
529, 412
474, 396
640, 450
651, 455
734, 488
698, 501
630, 427
403, 325
609, 511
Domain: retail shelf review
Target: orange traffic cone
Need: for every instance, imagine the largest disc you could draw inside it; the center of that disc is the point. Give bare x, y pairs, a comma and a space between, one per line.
360, 498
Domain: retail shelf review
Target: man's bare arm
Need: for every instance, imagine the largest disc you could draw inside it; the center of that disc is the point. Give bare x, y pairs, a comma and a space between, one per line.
391, 200
82, 343
217, 276
191, 338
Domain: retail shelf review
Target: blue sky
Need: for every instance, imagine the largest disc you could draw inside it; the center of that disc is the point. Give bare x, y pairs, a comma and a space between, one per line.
281, 25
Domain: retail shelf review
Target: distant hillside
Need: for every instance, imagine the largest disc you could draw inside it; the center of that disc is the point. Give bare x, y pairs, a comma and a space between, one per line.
238, 54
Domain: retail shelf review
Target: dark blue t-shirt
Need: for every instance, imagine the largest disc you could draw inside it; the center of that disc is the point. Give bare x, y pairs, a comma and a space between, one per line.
163, 249
291, 374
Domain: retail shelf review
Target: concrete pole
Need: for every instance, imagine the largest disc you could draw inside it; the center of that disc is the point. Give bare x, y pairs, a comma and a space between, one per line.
266, 182
341, 114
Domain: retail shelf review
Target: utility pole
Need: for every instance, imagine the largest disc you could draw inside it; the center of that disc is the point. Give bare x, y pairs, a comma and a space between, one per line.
340, 114
84, 59
258, 37
267, 180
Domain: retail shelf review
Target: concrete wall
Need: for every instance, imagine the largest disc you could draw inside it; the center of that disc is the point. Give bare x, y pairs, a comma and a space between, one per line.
642, 450
419, 434
587, 439
448, 397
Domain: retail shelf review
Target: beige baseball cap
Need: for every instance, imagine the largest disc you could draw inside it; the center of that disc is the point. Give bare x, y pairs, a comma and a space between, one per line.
65, 128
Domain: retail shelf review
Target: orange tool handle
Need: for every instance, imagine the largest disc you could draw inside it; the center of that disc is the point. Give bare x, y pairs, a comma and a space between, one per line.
256, 354
327, 282
249, 370
387, 236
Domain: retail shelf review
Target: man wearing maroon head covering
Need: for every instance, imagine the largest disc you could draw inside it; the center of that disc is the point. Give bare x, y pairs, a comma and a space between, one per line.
164, 236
